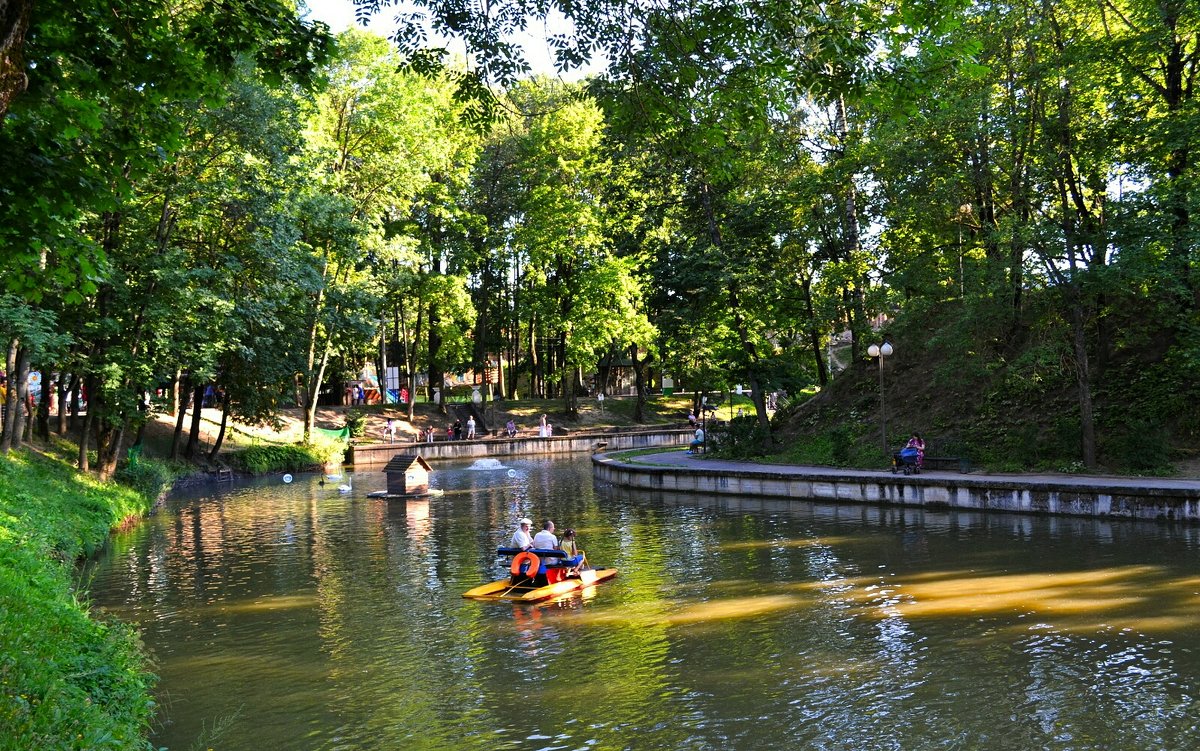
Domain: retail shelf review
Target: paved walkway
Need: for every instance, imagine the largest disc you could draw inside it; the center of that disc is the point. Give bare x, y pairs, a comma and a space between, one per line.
684, 461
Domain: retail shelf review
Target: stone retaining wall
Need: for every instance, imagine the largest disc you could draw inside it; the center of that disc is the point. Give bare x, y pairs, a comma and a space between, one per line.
1125, 499
380, 453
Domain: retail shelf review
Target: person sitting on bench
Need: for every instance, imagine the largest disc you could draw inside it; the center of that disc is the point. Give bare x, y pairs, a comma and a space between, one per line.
916, 442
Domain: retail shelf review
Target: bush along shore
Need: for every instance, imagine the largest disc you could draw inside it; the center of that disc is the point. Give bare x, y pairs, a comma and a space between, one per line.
69, 679
303, 457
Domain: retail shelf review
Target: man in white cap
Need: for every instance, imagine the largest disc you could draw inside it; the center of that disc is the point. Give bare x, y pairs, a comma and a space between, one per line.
521, 538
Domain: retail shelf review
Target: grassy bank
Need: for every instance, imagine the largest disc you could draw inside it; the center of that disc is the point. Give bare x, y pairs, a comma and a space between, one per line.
67, 681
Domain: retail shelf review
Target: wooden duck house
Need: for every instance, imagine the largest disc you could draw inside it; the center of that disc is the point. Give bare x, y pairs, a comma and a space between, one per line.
407, 474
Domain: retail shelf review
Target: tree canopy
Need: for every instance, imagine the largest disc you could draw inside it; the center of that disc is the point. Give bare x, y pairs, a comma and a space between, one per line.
236, 199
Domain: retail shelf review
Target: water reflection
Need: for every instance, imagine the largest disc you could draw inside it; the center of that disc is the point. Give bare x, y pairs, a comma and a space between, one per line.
307, 619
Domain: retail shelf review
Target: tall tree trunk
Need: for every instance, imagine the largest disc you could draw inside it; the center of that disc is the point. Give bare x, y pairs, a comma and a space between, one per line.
501, 374
306, 389
514, 338
639, 381
383, 359
177, 389
437, 376
314, 380
814, 335
108, 448
11, 438
76, 388
313, 393
216, 449
193, 444
569, 394
85, 428
180, 387
1083, 382
854, 293
537, 384
409, 352
64, 388
25, 413
1179, 70
42, 429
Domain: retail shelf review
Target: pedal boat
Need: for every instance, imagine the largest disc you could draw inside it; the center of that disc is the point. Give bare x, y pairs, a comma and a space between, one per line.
538, 574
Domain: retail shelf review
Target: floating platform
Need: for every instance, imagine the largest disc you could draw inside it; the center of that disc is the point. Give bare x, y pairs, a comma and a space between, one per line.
431, 493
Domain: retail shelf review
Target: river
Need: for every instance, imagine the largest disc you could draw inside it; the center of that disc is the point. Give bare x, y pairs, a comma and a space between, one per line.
293, 616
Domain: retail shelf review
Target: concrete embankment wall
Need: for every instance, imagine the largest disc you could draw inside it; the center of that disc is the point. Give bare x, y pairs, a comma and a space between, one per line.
582, 443
1124, 498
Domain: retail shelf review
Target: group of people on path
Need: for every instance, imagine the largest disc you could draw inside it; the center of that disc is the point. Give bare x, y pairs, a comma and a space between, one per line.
456, 431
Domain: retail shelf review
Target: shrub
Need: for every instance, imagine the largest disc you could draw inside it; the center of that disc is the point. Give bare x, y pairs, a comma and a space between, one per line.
326, 451
841, 445
356, 421
1143, 447
149, 477
276, 458
741, 437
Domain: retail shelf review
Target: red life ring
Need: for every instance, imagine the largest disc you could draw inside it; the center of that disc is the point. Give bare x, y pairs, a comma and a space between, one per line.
526, 557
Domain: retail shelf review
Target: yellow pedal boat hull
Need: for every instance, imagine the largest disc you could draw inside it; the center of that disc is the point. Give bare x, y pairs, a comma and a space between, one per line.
504, 589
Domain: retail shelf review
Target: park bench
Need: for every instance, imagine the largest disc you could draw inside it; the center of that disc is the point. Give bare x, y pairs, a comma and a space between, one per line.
945, 462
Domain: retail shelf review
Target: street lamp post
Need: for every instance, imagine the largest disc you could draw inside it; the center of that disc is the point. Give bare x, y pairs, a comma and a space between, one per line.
881, 351
704, 423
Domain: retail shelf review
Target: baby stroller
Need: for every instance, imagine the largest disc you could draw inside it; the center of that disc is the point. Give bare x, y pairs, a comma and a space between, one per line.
908, 460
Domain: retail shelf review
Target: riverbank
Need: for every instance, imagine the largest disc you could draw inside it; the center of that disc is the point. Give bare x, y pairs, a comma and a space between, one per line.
615, 415
374, 454
68, 680
1152, 498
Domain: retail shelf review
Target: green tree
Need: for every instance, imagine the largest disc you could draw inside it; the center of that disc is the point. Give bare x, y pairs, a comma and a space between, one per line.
389, 143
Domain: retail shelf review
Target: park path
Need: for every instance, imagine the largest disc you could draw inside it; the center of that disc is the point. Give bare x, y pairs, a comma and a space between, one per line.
684, 461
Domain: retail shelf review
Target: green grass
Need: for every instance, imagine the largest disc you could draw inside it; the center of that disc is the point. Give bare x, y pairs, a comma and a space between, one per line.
67, 680
632, 455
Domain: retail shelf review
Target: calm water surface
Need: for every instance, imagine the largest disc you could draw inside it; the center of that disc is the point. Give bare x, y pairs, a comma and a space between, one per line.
294, 617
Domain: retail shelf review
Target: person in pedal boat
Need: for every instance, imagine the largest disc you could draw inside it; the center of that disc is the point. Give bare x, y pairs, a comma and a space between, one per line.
545, 540
574, 559
521, 538
567, 544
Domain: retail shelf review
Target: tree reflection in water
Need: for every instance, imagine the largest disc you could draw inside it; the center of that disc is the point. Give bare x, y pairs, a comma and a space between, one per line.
318, 621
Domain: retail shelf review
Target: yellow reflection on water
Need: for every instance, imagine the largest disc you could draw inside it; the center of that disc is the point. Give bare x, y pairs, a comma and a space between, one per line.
267, 604
1139, 597
654, 613
806, 542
